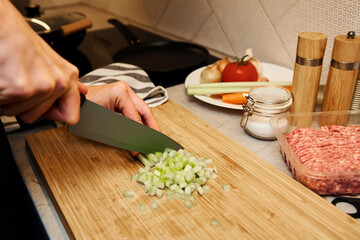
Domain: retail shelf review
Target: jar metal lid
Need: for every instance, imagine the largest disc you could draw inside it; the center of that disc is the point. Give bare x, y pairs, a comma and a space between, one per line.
269, 97
269, 94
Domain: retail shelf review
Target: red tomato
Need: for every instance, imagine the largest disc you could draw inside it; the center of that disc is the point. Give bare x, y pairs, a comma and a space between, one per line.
239, 71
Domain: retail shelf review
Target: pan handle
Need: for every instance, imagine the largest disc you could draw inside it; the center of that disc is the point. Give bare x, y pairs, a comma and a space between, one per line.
127, 33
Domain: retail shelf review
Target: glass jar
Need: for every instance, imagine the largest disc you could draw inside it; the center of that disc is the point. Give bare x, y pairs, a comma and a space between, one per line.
264, 102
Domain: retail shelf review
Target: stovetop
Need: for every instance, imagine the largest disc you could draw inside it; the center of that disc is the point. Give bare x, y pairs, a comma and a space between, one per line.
99, 47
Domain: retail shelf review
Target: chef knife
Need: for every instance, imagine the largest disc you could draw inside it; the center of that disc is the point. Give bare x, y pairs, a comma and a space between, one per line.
103, 125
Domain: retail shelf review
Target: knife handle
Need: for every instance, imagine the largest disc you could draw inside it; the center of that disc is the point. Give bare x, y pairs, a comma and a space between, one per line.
82, 99
25, 126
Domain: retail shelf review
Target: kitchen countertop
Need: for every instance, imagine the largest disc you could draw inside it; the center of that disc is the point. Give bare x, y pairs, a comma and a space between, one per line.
226, 120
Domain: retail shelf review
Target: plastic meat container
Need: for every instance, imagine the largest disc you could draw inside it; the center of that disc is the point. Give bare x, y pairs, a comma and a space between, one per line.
335, 181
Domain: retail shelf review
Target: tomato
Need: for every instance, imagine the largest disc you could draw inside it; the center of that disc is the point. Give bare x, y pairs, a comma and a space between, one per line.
239, 71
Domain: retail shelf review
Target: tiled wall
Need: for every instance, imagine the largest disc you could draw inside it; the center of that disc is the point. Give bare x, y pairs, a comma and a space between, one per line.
269, 27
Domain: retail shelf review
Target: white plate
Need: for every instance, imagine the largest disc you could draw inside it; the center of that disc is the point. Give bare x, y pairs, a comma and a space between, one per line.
274, 73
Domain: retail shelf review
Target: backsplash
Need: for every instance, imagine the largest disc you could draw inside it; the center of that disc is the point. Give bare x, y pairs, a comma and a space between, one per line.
269, 27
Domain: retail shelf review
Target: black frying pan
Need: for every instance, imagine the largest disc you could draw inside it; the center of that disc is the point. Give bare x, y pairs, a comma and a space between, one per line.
166, 62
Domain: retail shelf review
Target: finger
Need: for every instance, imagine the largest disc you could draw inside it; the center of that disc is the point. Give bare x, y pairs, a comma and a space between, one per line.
144, 110
64, 108
82, 88
23, 104
67, 108
123, 102
59, 106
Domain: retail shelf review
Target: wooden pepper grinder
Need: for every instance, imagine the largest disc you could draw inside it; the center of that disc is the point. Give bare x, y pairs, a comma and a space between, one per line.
307, 72
343, 72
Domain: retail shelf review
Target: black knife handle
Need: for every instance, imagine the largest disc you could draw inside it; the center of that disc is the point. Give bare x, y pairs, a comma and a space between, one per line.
355, 202
82, 99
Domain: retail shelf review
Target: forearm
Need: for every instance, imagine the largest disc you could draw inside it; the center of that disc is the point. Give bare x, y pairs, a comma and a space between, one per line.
33, 76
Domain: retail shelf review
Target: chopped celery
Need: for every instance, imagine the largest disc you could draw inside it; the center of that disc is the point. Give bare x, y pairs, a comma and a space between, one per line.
226, 187
215, 222
134, 177
206, 188
200, 190
142, 208
154, 205
179, 173
159, 193
129, 194
188, 203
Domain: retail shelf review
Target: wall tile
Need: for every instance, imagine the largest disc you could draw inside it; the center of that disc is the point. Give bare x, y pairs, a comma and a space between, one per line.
246, 25
142, 12
212, 36
276, 9
183, 18
269, 27
329, 17
103, 4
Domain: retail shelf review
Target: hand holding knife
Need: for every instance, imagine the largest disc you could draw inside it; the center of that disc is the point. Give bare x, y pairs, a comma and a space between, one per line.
103, 125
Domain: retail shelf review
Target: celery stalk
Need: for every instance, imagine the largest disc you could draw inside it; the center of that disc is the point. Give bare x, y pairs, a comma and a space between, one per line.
228, 87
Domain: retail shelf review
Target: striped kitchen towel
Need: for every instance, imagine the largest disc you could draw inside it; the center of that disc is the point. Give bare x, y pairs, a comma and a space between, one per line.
137, 79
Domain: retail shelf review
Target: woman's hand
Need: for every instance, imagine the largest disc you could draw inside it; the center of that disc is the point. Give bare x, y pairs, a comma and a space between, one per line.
119, 97
34, 79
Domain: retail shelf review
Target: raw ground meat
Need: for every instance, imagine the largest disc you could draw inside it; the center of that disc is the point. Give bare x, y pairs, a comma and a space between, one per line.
328, 151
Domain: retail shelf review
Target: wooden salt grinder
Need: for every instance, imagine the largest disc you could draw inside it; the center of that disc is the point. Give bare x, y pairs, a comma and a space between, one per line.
343, 71
307, 71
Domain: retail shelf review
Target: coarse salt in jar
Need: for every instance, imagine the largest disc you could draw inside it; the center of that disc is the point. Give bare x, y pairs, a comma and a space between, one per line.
264, 102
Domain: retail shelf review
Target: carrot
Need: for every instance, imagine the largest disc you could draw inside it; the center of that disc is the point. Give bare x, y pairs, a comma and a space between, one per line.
235, 98
288, 88
239, 97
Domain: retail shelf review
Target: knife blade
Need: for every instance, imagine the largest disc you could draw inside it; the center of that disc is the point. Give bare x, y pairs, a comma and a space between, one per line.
103, 125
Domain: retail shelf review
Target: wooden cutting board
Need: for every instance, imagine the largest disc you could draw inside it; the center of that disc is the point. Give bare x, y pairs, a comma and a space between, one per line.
86, 181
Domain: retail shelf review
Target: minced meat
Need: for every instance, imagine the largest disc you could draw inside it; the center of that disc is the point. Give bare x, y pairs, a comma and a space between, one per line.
329, 149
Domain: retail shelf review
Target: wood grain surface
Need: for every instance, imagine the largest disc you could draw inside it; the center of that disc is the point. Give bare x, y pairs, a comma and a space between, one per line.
306, 79
86, 181
340, 84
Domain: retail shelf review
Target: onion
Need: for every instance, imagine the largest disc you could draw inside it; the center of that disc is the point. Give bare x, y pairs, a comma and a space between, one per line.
263, 79
257, 64
221, 64
210, 74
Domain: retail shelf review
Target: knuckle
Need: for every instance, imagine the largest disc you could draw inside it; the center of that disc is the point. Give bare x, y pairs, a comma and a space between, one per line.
121, 87
147, 110
46, 87
62, 81
22, 88
73, 73
65, 77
